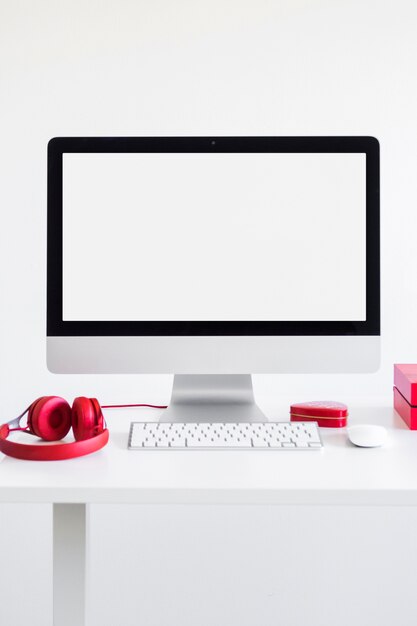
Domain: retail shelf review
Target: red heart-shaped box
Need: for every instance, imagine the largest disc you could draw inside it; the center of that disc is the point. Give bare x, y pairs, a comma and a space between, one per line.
325, 413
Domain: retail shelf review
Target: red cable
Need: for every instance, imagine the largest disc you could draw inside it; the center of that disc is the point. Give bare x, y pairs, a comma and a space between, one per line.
122, 406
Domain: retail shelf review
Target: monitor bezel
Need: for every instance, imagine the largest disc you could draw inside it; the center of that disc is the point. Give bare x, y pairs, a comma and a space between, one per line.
58, 146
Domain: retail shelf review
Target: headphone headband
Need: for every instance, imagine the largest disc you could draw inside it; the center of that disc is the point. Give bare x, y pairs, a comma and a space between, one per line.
57, 452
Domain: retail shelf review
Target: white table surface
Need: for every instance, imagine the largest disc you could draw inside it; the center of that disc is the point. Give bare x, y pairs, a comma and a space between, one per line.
338, 474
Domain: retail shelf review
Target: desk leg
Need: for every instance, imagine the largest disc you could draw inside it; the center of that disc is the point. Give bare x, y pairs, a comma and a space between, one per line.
69, 564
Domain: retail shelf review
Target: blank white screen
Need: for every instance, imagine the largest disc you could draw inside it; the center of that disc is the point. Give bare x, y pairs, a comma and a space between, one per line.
214, 236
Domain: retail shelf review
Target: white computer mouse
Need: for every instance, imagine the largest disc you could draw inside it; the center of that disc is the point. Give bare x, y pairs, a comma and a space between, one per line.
367, 435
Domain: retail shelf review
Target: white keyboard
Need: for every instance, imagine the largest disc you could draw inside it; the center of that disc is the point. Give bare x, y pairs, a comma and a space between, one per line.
225, 436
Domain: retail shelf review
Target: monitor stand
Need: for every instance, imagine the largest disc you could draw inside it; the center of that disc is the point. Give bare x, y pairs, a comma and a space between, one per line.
213, 398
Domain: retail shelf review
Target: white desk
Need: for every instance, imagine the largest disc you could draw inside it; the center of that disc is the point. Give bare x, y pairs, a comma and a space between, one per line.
339, 474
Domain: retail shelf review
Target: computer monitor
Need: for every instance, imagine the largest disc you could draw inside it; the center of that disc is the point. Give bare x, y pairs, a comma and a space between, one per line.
213, 258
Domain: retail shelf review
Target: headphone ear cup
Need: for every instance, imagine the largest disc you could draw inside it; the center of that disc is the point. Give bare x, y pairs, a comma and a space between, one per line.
50, 418
87, 418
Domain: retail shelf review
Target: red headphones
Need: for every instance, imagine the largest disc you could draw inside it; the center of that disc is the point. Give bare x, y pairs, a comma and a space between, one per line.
50, 418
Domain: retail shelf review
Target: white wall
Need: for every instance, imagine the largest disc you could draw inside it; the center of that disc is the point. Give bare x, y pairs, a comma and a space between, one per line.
86, 67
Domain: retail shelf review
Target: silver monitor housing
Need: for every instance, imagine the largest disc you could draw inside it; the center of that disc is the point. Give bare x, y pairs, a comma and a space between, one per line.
212, 359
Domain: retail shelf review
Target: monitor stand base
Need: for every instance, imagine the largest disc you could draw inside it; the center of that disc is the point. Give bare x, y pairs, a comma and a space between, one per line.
213, 398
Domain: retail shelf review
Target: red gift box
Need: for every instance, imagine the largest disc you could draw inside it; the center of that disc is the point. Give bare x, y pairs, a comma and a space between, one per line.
327, 414
405, 393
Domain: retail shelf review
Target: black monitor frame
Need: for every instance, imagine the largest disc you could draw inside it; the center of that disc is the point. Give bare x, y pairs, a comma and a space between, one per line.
57, 146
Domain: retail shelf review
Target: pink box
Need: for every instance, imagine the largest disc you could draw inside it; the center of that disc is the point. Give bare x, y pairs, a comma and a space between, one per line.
405, 379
